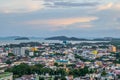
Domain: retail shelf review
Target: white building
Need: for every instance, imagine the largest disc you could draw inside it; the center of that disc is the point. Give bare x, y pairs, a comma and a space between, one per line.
16, 51
20, 51
1, 50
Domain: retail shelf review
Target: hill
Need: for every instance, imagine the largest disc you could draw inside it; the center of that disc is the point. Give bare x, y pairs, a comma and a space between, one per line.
65, 38
22, 38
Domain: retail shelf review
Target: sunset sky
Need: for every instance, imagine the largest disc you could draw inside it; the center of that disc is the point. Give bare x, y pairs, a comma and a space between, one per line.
45, 18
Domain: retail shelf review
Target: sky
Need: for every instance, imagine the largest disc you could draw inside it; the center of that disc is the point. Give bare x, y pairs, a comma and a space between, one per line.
46, 18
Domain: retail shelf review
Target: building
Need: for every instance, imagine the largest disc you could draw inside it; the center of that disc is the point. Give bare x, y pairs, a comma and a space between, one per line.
20, 51
61, 61
31, 53
3, 66
23, 49
112, 48
1, 50
6, 76
16, 51
28, 77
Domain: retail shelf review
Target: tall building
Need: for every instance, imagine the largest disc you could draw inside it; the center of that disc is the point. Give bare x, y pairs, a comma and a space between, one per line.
16, 51
23, 49
20, 51
112, 48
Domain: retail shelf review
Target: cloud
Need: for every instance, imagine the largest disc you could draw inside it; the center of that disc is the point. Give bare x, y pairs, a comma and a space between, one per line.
106, 6
110, 5
68, 3
62, 22
116, 6
20, 6
23, 6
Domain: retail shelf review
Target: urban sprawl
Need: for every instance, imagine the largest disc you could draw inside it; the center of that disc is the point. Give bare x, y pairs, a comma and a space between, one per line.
60, 61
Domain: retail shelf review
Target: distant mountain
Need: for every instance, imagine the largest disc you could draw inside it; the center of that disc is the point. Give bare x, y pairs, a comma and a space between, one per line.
22, 38
65, 38
57, 38
78, 39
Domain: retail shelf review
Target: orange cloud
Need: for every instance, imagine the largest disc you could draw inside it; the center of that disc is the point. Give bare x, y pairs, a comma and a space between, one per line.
117, 6
62, 22
106, 6
114, 6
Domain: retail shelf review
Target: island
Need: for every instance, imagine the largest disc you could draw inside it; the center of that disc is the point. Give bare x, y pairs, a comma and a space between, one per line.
22, 38
66, 38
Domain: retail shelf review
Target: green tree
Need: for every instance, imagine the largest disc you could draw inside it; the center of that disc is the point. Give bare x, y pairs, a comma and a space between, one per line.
20, 70
103, 73
56, 64
41, 78
11, 54
8, 62
63, 78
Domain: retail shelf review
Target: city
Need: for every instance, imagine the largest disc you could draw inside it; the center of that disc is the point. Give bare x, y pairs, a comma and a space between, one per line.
60, 61
59, 39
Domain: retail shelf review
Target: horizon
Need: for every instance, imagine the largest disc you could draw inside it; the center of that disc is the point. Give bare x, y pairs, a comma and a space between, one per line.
58, 36
48, 18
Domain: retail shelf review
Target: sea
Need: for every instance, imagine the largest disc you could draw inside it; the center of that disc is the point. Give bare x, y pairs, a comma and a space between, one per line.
7, 42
